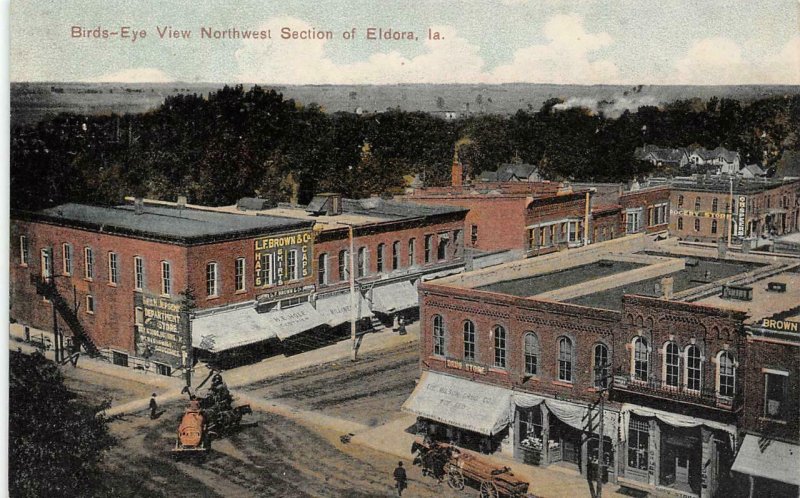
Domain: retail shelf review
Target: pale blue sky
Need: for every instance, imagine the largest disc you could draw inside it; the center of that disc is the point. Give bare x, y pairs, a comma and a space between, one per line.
491, 41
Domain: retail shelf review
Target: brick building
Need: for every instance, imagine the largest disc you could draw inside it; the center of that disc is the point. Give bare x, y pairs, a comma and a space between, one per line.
702, 207
513, 359
150, 284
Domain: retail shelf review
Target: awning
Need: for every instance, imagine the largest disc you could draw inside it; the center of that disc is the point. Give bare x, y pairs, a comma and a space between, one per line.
230, 329
771, 459
292, 321
461, 403
442, 273
524, 400
673, 419
397, 296
335, 309
582, 417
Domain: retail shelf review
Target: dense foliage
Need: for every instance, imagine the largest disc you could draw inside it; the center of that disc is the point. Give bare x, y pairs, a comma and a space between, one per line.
54, 442
236, 142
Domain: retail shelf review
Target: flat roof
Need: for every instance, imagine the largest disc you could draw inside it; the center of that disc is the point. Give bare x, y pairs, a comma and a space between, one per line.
722, 184
538, 284
170, 224
766, 303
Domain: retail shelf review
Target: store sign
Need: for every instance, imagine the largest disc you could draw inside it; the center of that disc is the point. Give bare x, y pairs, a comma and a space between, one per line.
741, 210
462, 365
162, 327
781, 325
284, 293
698, 214
283, 258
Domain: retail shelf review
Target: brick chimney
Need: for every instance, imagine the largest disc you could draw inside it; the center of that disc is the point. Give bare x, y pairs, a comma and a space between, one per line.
457, 172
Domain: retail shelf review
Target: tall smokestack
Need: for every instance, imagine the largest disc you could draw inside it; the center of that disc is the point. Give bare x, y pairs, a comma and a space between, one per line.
457, 172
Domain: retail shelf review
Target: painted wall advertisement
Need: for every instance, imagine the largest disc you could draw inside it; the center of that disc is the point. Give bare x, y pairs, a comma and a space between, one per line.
741, 210
162, 329
283, 258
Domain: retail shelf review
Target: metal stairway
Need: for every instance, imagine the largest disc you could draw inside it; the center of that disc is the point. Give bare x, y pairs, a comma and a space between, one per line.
50, 292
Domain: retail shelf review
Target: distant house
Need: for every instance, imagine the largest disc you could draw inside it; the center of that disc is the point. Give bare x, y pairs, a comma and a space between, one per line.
752, 171
512, 172
725, 161
667, 157
446, 115
718, 161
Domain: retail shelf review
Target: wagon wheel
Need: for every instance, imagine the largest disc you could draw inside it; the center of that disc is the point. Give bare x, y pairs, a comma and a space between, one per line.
455, 479
488, 490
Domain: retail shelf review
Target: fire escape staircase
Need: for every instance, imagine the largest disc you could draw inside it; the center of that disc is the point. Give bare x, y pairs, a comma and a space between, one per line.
50, 292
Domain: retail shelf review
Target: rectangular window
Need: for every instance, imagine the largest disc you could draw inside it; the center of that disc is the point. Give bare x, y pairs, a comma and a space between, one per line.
412, 245
239, 270
633, 220
428, 248
291, 264
138, 272
322, 269
24, 255
47, 263
500, 347
474, 234
469, 342
638, 443
113, 268
162, 369
120, 359
673, 365
775, 393
166, 278
67, 253
344, 262
265, 273
362, 262
379, 258
90, 304
396, 255
211, 280
458, 243
574, 231
88, 262
441, 248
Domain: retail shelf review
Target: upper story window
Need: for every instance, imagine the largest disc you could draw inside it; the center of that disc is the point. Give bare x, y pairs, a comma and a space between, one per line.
291, 264
458, 243
138, 272
694, 368
776, 385
395, 255
211, 280
428, 248
469, 341
239, 272
714, 205
713, 226
531, 353
697, 204
66, 250
265, 274
438, 335
697, 224
363, 262
47, 263
441, 248
344, 263
565, 359
474, 234
680, 201
601, 366
88, 263
412, 245
113, 268
24, 254
499, 346
322, 269
672, 364
633, 220
640, 358
726, 374
166, 278
379, 257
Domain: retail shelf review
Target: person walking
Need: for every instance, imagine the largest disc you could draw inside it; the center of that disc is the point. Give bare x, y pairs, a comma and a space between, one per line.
400, 478
153, 407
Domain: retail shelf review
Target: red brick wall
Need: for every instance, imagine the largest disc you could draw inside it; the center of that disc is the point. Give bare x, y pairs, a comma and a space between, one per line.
112, 323
645, 199
548, 320
611, 221
777, 355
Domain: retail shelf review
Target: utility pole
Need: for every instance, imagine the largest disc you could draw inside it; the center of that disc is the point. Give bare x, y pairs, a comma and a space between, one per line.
353, 317
730, 215
602, 372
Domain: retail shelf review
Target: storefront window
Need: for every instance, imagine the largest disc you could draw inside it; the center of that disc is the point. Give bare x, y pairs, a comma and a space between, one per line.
438, 335
531, 353
727, 375
499, 347
672, 361
640, 366
693, 368
469, 341
565, 359
638, 443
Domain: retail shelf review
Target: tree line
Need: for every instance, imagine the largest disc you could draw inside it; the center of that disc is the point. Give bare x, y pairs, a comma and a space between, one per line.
234, 143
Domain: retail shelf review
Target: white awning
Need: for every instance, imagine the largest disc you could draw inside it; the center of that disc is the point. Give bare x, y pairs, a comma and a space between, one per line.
524, 400
676, 419
292, 321
461, 403
397, 296
230, 329
771, 459
335, 309
582, 417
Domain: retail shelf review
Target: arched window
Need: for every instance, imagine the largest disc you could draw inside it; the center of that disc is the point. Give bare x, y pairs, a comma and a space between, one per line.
694, 368
672, 364
601, 366
363, 262
713, 226
344, 264
379, 257
438, 335
499, 346
697, 204
412, 244
322, 269
565, 359
640, 357
395, 254
727, 374
680, 201
680, 223
531, 353
469, 341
